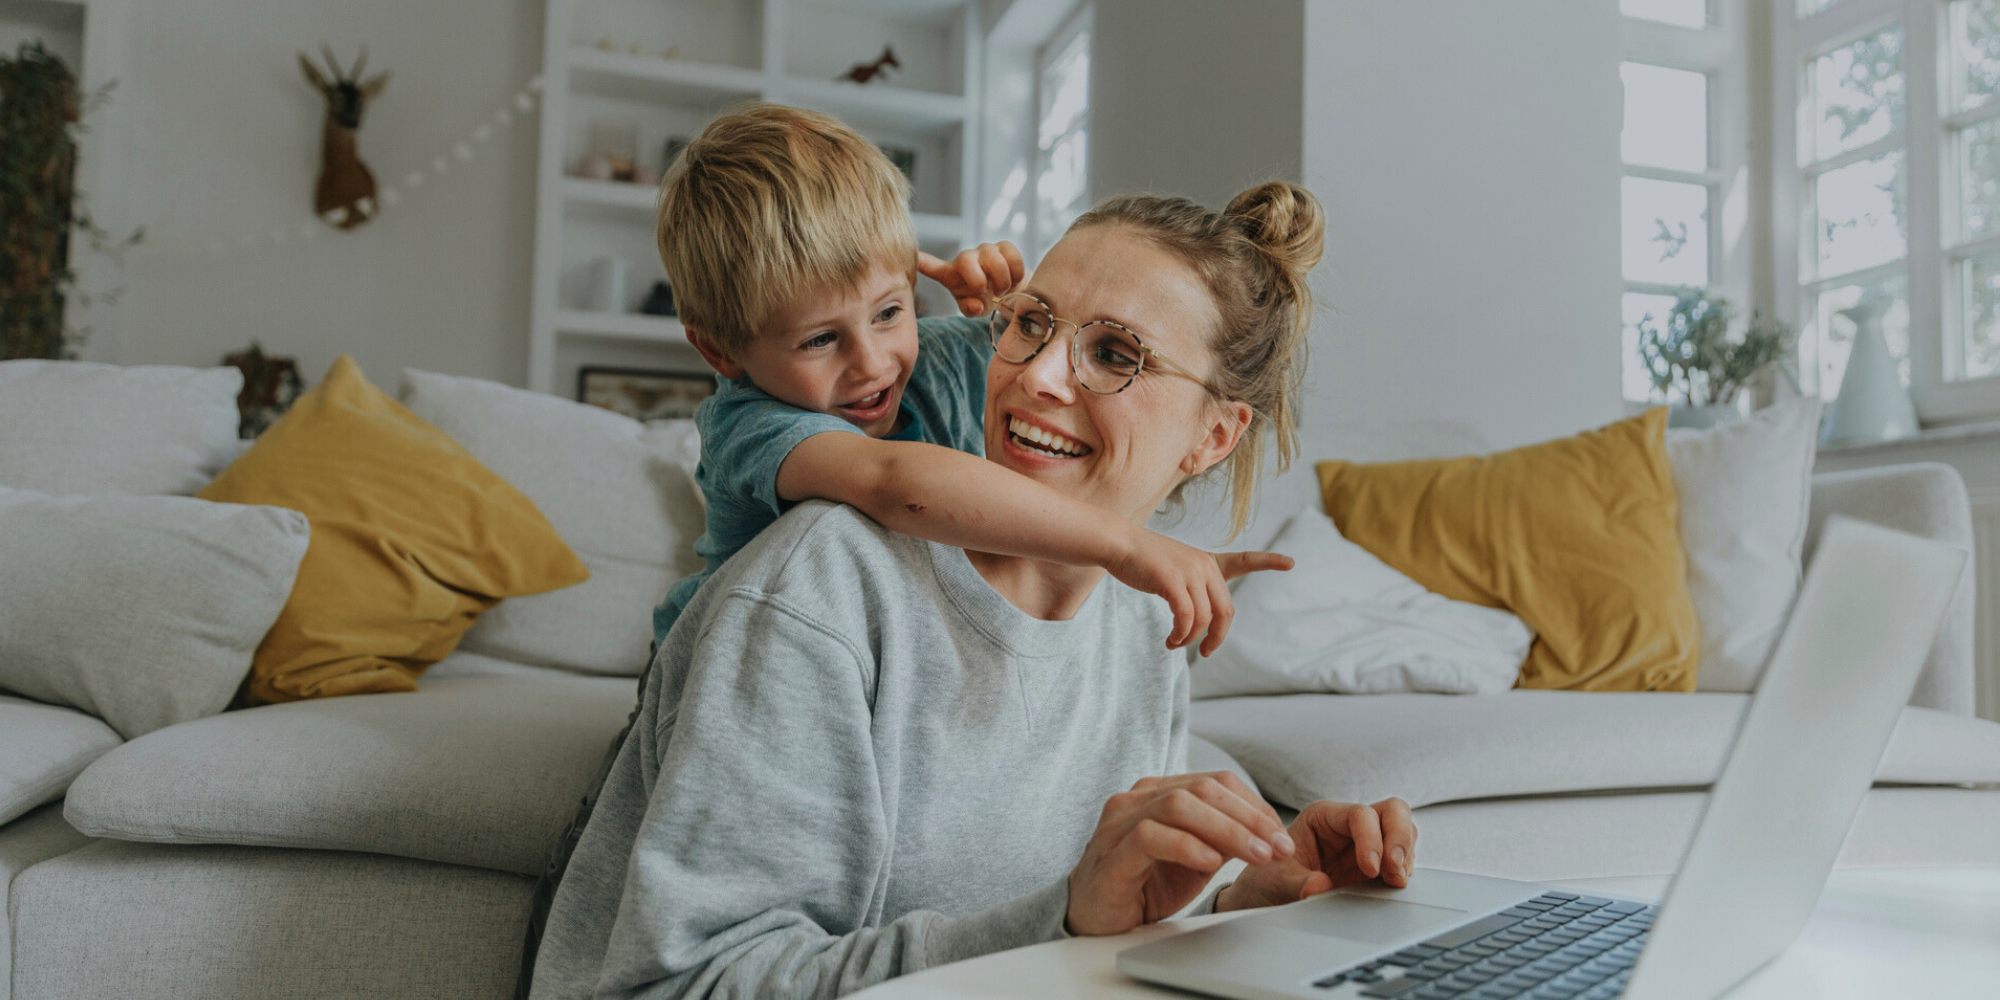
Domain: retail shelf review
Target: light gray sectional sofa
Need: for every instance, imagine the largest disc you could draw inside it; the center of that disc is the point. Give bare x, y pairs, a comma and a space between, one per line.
386, 845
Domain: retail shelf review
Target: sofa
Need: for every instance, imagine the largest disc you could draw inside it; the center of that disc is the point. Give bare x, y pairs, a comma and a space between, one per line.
387, 845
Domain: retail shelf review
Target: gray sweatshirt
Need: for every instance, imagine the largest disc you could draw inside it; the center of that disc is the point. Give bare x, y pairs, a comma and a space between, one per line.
857, 760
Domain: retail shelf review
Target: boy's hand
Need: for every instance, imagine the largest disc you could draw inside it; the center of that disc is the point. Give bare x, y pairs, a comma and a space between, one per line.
1191, 581
976, 276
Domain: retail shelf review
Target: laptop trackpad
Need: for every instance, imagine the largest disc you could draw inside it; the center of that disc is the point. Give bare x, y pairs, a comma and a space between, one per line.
1365, 918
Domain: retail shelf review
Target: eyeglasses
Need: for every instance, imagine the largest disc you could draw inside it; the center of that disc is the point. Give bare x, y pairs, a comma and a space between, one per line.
1106, 356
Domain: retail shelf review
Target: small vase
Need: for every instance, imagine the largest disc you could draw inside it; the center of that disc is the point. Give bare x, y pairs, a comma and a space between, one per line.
1703, 417
1872, 405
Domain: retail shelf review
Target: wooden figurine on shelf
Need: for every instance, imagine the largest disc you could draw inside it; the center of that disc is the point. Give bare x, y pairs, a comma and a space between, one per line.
270, 386
345, 195
864, 72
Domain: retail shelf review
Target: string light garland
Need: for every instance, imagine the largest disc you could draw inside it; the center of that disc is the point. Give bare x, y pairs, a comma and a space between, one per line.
395, 193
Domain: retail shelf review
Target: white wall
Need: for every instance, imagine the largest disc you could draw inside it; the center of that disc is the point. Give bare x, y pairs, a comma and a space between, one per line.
225, 137
1467, 153
1467, 156
1194, 98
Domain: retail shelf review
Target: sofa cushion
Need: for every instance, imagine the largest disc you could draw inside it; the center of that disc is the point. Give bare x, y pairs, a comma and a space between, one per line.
1743, 491
142, 611
616, 490
1578, 536
412, 538
1345, 622
234, 923
480, 771
1445, 748
82, 427
43, 747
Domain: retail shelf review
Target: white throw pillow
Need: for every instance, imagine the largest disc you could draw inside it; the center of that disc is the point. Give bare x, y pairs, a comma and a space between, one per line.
616, 490
42, 749
1744, 489
1344, 622
142, 611
80, 427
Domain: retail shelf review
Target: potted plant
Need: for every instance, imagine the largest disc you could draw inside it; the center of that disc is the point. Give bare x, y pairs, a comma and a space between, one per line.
40, 117
1694, 359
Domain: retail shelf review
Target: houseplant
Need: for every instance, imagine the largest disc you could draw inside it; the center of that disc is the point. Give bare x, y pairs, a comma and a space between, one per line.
41, 113
1693, 358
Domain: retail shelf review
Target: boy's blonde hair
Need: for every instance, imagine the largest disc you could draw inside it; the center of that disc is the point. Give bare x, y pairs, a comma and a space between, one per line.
770, 202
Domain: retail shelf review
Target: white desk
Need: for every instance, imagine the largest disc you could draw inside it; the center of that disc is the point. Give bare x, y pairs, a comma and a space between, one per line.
1879, 932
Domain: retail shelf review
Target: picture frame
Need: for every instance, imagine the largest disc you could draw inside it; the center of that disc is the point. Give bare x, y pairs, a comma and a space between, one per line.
644, 393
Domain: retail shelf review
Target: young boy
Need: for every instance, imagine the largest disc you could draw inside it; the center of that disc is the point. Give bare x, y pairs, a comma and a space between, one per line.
790, 248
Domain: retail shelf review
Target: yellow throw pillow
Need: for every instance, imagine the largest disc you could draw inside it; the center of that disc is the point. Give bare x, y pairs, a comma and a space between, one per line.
1580, 537
411, 540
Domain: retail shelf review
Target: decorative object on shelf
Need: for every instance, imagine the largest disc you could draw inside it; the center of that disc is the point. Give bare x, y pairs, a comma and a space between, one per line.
594, 167
40, 114
270, 386
345, 194
1692, 355
617, 142
877, 70
391, 195
903, 157
604, 285
659, 301
1873, 405
644, 394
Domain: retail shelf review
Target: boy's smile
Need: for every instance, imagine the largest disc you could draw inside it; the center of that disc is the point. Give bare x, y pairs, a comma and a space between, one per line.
847, 352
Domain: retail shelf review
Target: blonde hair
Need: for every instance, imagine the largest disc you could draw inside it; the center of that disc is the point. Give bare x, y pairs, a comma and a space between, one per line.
1254, 257
772, 201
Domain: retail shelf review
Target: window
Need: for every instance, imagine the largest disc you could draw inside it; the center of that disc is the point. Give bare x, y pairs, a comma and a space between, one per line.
1857, 195
1675, 166
1971, 120
1062, 132
1892, 174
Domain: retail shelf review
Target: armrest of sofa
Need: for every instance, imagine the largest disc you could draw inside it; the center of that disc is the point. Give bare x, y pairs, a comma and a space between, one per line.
1927, 499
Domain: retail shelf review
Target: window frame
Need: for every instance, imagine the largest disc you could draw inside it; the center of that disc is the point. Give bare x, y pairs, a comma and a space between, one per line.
1936, 257
1079, 22
1717, 51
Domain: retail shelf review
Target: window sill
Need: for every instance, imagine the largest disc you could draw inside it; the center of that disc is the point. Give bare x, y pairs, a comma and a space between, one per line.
1930, 437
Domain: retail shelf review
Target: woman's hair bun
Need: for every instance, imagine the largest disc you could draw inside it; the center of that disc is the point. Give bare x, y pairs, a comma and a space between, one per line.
1285, 221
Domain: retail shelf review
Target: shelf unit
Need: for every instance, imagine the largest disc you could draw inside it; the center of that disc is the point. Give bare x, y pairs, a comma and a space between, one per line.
608, 61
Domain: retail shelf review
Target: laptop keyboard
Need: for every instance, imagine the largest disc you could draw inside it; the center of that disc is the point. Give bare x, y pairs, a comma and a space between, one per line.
1557, 946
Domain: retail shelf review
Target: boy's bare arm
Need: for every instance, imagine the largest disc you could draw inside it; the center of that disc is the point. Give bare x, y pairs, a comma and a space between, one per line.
948, 496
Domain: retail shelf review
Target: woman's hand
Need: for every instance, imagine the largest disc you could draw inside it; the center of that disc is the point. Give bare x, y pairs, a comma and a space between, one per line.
977, 276
1156, 846
1339, 844
1191, 581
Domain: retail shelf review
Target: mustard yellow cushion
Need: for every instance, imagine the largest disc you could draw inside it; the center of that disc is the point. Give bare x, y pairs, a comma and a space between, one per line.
1580, 537
411, 539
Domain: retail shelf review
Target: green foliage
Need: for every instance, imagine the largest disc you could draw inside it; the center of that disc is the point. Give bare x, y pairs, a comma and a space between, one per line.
1692, 355
40, 116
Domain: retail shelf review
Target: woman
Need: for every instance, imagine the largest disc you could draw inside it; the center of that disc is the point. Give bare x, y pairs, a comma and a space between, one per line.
868, 754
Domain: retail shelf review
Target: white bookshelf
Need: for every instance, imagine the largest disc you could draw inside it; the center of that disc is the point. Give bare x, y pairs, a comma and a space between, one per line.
729, 51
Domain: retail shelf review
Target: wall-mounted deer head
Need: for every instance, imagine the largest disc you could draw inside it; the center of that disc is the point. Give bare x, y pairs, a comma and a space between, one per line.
345, 195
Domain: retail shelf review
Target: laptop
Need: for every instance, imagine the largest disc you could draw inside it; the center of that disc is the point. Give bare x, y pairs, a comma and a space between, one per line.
1774, 823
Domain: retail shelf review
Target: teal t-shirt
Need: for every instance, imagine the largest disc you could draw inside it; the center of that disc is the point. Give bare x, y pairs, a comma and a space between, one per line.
746, 434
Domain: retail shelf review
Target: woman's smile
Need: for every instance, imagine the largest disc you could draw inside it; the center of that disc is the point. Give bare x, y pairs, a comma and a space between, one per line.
1039, 439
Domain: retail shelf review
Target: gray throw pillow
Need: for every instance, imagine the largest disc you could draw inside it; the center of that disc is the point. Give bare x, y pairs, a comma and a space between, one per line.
142, 611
